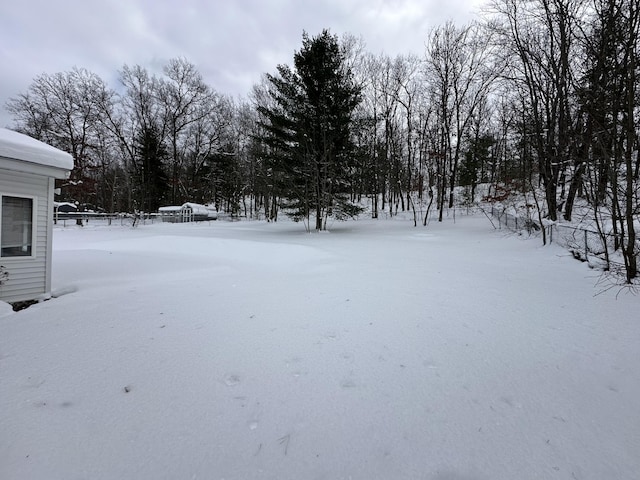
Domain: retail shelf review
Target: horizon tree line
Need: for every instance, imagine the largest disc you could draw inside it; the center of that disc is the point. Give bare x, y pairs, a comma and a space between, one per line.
541, 97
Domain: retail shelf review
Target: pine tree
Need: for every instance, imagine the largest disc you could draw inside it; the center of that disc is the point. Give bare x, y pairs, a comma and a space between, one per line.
153, 186
309, 130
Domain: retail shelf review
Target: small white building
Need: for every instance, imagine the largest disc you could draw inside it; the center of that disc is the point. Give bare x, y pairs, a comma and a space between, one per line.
28, 168
64, 207
188, 212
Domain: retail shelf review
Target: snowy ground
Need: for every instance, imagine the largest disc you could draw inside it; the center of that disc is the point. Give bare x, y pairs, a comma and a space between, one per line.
376, 351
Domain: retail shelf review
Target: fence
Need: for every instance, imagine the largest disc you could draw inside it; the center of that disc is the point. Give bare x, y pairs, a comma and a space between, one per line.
81, 218
516, 223
584, 244
67, 219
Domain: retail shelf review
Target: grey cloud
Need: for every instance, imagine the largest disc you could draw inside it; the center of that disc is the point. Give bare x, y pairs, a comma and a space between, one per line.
232, 43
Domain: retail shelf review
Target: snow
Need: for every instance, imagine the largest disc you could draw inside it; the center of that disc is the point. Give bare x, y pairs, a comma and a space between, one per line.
5, 309
197, 209
192, 209
245, 350
22, 147
171, 208
64, 204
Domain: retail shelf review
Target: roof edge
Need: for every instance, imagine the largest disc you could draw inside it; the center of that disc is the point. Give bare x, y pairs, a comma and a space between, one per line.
18, 146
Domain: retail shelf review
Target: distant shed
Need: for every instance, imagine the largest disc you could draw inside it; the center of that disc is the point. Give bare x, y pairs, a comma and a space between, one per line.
187, 212
64, 207
28, 169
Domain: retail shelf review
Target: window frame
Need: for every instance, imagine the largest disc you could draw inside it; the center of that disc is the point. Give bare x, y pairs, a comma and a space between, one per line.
34, 225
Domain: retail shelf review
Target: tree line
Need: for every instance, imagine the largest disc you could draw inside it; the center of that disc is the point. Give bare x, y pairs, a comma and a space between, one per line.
540, 97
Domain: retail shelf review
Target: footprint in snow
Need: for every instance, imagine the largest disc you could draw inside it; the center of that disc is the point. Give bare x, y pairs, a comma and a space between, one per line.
430, 364
254, 420
296, 361
231, 380
507, 400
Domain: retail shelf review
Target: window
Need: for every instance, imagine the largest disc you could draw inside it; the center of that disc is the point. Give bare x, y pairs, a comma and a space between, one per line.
17, 227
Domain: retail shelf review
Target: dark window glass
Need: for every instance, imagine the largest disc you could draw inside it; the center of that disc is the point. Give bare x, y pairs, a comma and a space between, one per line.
17, 227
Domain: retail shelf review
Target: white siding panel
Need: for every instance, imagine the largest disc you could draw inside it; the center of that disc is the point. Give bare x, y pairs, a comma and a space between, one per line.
27, 276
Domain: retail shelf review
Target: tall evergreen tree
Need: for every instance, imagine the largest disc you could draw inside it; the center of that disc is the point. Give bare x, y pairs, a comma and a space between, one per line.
153, 186
309, 129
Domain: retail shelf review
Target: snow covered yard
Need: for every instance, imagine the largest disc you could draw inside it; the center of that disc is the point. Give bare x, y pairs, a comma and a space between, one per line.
376, 351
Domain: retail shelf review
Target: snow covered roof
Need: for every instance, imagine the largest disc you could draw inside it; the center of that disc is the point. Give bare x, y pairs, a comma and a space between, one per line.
17, 146
65, 204
196, 208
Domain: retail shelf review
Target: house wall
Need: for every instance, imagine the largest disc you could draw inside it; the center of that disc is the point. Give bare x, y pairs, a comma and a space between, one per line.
29, 277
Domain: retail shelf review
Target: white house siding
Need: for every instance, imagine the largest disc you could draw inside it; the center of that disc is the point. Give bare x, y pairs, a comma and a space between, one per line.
29, 277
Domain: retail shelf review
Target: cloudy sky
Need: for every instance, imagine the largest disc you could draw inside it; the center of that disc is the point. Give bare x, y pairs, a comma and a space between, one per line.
232, 42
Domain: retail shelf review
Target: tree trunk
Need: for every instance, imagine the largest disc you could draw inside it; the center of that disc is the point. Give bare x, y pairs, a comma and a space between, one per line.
576, 181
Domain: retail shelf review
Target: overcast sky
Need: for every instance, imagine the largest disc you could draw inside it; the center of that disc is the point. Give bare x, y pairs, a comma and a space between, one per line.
232, 42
